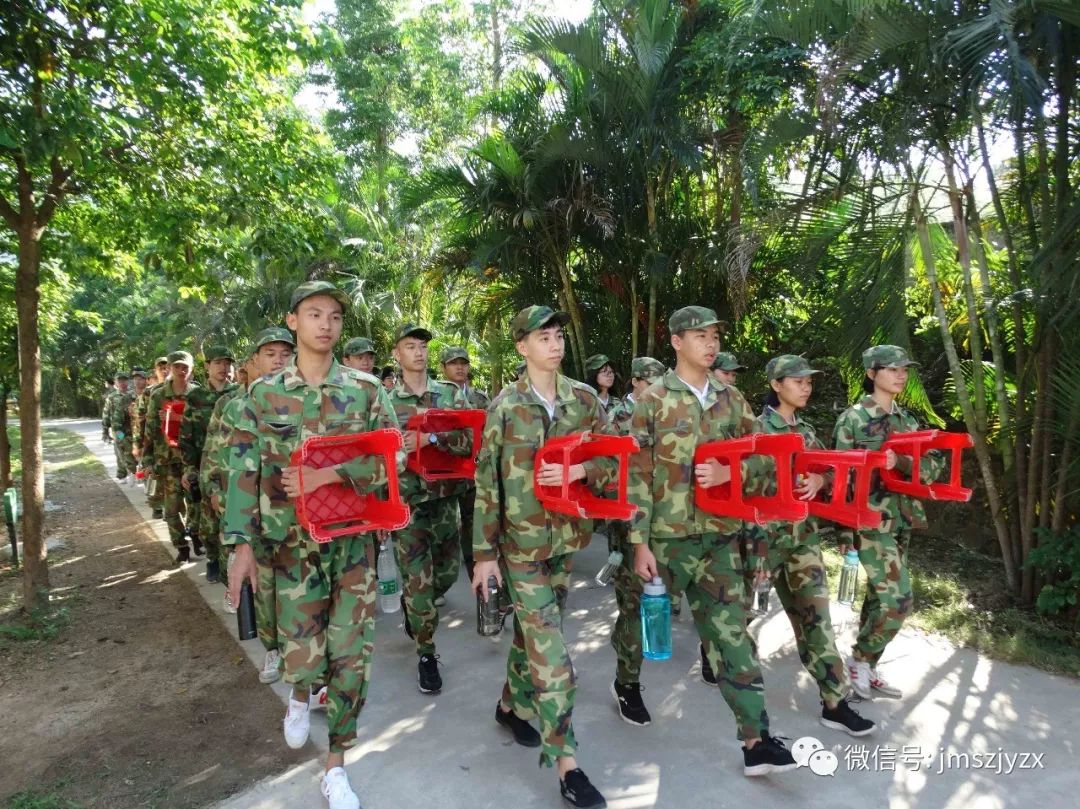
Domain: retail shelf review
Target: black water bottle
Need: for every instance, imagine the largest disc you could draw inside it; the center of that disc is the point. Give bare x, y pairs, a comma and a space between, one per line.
245, 613
488, 611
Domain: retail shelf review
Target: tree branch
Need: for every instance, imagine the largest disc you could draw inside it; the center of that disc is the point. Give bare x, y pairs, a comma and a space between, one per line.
8, 213
55, 193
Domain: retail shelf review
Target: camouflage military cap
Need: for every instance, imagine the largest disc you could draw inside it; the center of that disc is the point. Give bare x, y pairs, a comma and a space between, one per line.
310, 289
647, 368
691, 317
532, 318
273, 334
137, 371
886, 357
596, 362
217, 352
451, 353
161, 361
358, 345
411, 330
788, 365
121, 375
181, 356
725, 361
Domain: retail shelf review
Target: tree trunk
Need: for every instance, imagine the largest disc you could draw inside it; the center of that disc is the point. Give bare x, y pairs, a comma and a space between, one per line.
634, 316
27, 298
982, 450
650, 213
5, 443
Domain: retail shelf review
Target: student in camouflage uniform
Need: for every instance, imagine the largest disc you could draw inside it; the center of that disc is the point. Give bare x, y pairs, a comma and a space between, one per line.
202, 519
726, 368
600, 376
154, 491
130, 404
359, 354
109, 388
794, 551
456, 367
531, 550
691, 550
427, 549
883, 551
326, 592
119, 424
168, 463
626, 634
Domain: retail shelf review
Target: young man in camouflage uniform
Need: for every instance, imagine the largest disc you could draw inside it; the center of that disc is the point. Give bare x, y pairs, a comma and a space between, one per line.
326, 591
168, 463
427, 549
359, 354
883, 550
120, 426
154, 490
193, 431
626, 634
794, 551
456, 367
691, 550
726, 368
130, 404
530, 550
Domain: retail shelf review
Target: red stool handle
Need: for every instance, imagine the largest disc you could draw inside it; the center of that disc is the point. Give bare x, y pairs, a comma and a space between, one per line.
727, 500
430, 462
915, 445
854, 511
172, 414
575, 499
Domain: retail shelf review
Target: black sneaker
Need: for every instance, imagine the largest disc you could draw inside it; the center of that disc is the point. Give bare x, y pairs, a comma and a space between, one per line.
524, 733
405, 619
428, 675
577, 790
628, 699
768, 756
157, 514
213, 570
183, 555
198, 547
844, 717
707, 674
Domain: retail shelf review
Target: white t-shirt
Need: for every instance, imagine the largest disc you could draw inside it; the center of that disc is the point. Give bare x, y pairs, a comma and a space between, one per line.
548, 406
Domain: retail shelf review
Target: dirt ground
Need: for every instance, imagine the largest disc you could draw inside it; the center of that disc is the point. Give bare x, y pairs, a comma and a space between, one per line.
142, 699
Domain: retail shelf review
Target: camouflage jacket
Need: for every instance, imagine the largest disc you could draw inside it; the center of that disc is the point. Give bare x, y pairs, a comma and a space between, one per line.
866, 425
614, 404
116, 415
193, 429
508, 519
142, 405
441, 395
212, 472
621, 414
669, 424
474, 397
155, 445
277, 415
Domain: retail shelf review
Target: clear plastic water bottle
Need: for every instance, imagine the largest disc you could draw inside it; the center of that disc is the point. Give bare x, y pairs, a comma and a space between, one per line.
607, 572
849, 579
387, 572
656, 621
489, 614
759, 599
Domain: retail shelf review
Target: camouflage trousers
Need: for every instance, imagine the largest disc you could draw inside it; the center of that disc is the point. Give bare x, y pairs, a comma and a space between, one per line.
798, 576
889, 598
708, 568
269, 556
125, 460
154, 487
626, 635
466, 503
427, 555
540, 681
174, 501
326, 624
208, 528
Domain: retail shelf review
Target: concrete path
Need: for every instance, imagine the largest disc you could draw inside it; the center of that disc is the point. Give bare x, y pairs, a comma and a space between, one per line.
418, 751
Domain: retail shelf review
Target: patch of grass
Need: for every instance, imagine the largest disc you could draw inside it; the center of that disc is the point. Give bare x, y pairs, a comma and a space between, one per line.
961, 594
41, 626
33, 799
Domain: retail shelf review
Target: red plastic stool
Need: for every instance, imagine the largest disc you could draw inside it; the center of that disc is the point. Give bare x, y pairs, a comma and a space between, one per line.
854, 511
432, 463
172, 413
727, 500
575, 499
337, 510
915, 445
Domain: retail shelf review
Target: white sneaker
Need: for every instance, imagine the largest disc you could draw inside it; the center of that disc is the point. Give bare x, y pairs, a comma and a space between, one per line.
317, 701
440, 601
337, 791
859, 673
227, 603
271, 670
297, 724
880, 685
